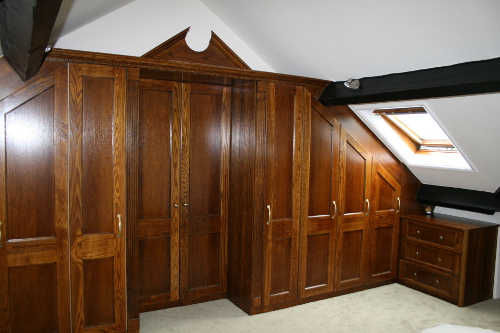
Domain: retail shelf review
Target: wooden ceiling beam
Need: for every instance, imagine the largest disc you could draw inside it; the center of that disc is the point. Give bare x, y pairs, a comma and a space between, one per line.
25, 28
476, 77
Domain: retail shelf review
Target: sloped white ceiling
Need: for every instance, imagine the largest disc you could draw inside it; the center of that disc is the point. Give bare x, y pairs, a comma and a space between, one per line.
337, 40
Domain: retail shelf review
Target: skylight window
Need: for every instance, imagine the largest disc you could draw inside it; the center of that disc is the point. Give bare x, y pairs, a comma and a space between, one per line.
415, 124
410, 131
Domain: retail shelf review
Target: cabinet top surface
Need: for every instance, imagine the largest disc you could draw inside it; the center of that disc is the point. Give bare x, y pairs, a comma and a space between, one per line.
451, 221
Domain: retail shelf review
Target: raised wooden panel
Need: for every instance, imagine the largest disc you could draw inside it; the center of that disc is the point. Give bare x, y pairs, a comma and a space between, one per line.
204, 176
283, 106
355, 178
97, 156
97, 192
384, 224
98, 292
318, 255
29, 140
352, 256
34, 207
33, 298
155, 159
154, 267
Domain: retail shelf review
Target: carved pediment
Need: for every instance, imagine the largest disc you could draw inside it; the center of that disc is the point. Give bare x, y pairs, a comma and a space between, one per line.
217, 52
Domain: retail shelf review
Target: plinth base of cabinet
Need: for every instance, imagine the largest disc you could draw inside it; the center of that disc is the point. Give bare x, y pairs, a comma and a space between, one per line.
170, 304
299, 301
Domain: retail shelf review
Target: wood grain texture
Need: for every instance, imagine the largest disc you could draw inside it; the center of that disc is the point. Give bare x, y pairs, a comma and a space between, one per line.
132, 116
158, 192
101, 259
35, 238
354, 188
181, 67
206, 112
319, 201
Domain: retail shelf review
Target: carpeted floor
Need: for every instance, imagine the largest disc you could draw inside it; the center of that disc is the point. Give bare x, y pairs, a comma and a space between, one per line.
387, 309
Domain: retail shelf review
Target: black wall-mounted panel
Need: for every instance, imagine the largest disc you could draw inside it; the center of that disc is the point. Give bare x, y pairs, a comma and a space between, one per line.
470, 200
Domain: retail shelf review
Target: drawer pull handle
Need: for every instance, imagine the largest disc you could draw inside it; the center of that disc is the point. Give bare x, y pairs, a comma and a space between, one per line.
418, 232
440, 237
438, 282
185, 204
176, 205
414, 274
416, 253
439, 259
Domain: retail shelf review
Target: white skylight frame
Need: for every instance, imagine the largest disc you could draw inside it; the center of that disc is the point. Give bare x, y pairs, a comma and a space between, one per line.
392, 139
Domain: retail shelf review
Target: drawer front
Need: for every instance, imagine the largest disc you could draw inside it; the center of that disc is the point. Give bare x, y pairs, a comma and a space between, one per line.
447, 262
444, 238
430, 280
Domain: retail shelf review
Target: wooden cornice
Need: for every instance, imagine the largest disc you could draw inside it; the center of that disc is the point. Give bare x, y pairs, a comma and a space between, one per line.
476, 77
25, 28
180, 66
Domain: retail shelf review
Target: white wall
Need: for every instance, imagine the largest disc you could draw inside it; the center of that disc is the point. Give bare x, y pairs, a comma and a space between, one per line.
482, 217
144, 24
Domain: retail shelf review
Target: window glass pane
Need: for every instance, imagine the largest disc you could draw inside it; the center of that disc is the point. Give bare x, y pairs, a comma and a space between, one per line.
423, 125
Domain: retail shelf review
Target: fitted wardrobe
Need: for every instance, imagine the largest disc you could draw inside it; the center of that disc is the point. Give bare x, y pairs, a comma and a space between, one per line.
131, 184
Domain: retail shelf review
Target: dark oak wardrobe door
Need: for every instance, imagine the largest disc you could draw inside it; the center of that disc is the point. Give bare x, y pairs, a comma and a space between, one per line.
158, 192
204, 182
355, 170
34, 262
282, 105
384, 225
97, 192
319, 202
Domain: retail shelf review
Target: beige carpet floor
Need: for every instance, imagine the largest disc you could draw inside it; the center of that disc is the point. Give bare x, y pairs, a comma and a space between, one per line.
387, 309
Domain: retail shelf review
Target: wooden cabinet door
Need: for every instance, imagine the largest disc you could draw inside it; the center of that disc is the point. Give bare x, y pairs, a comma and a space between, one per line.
352, 250
384, 225
158, 192
97, 197
34, 261
319, 202
282, 105
204, 185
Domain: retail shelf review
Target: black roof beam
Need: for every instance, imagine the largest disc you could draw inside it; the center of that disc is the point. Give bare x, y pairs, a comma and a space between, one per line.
476, 77
25, 28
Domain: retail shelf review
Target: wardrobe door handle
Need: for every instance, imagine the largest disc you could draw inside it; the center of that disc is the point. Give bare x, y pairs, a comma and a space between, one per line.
269, 214
399, 205
368, 207
334, 210
119, 225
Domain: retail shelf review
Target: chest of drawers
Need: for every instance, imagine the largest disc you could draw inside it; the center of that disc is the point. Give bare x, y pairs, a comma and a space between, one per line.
448, 257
